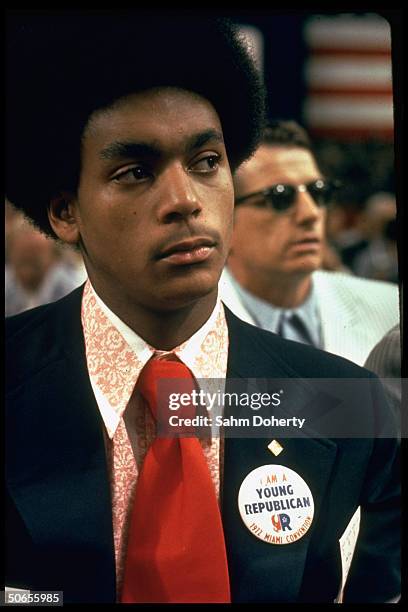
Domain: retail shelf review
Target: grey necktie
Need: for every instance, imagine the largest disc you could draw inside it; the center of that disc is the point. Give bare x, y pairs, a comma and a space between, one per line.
292, 327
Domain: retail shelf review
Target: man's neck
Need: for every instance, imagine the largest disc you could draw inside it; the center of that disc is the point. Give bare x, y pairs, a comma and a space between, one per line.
282, 290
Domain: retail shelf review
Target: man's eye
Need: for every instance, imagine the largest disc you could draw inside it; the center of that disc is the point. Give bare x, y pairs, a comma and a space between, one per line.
206, 164
135, 174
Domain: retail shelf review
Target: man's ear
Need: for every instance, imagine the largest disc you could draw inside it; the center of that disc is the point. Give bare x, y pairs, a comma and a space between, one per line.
63, 217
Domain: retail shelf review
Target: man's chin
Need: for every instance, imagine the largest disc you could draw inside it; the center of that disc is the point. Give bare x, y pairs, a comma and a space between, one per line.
305, 264
186, 292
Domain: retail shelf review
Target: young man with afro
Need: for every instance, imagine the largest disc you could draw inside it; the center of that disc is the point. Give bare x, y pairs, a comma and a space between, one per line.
124, 130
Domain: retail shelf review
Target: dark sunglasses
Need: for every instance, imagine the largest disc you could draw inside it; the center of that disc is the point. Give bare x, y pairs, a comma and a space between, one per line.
281, 196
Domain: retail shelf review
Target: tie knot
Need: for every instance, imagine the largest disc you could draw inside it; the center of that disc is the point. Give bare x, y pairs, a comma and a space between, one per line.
292, 327
160, 377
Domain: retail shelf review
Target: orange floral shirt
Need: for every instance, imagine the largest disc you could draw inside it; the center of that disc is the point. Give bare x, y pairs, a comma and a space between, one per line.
115, 356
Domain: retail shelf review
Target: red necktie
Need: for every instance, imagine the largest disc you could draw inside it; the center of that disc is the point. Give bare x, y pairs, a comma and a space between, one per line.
176, 549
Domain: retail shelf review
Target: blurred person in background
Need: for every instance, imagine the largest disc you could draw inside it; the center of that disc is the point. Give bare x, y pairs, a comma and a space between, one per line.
344, 231
36, 272
364, 234
273, 277
379, 259
12, 216
385, 361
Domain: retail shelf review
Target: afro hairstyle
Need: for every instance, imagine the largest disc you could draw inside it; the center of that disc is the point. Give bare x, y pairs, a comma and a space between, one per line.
62, 67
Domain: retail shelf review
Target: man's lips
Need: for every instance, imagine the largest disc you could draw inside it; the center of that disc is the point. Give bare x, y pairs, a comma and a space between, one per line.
192, 250
307, 240
310, 243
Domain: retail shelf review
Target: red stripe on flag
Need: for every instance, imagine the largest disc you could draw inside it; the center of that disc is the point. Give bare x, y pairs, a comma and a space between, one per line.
352, 133
383, 92
351, 52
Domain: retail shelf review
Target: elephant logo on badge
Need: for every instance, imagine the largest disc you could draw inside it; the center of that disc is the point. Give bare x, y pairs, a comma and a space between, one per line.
281, 522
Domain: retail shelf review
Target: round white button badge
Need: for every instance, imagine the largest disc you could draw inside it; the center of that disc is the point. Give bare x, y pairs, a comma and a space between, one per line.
276, 504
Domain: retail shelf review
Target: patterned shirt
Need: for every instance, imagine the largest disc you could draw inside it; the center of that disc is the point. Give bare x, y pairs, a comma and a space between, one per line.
115, 357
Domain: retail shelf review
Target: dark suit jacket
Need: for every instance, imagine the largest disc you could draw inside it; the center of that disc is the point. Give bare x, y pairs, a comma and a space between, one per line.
59, 520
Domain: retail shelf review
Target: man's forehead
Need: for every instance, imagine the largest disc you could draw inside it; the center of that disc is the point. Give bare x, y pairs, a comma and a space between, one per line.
272, 164
278, 156
155, 116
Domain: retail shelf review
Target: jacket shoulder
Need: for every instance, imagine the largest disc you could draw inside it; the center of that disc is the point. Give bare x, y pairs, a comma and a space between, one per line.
26, 321
366, 288
38, 336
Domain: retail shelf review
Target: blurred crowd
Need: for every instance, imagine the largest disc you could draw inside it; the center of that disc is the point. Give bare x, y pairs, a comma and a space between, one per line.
361, 226
38, 270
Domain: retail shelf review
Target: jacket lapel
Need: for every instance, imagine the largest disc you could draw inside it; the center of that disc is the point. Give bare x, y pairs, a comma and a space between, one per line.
56, 468
256, 566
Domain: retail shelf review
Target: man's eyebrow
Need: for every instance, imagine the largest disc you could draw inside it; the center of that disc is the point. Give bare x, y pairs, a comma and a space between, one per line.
122, 150
198, 140
131, 149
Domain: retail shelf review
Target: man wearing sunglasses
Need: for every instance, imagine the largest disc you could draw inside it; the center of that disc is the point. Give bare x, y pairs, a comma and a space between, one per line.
273, 278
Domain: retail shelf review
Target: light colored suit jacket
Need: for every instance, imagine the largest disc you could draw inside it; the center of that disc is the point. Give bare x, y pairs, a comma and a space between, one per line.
355, 312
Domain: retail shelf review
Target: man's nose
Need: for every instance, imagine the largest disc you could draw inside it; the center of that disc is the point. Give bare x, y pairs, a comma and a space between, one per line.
178, 198
306, 210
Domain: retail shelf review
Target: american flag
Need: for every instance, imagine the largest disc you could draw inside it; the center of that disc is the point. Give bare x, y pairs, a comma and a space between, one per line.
348, 76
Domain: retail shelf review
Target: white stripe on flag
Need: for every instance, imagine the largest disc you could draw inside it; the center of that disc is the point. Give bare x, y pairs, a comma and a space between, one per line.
347, 72
349, 32
342, 112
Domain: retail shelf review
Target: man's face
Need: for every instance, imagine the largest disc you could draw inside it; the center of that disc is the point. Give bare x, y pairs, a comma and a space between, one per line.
31, 256
271, 243
155, 200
